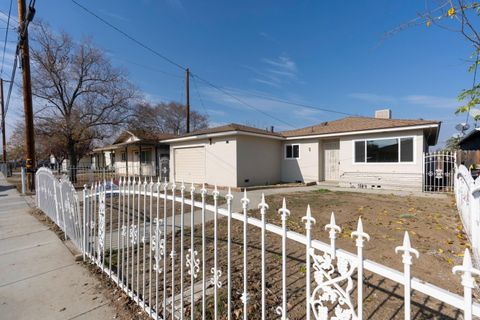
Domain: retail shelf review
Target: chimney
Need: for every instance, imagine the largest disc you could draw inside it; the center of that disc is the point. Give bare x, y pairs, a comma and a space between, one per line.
383, 114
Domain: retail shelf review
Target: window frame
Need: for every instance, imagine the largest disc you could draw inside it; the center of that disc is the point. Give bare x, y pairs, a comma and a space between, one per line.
144, 152
398, 138
292, 157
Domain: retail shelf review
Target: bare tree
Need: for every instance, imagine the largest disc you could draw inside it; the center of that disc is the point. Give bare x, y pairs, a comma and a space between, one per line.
81, 96
167, 118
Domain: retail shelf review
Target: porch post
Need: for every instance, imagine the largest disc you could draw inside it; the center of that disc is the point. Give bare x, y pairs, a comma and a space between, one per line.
140, 160
156, 162
126, 159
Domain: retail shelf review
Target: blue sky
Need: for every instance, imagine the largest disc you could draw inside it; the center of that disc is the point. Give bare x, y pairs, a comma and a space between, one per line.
330, 55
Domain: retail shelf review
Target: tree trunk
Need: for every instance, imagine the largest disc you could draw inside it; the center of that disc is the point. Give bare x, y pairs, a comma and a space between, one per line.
72, 155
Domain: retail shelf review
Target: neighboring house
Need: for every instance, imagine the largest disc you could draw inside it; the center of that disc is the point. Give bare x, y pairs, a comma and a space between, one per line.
136, 153
470, 141
469, 154
360, 152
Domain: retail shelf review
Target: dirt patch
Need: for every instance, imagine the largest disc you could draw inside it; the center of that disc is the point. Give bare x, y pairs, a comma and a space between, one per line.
433, 224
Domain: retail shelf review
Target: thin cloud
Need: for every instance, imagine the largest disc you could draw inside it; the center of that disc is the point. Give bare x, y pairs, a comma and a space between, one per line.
115, 15
275, 72
372, 97
426, 101
432, 101
282, 64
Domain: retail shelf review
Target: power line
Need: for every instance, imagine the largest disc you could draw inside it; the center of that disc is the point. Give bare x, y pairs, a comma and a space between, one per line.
298, 104
241, 101
199, 96
138, 42
129, 36
6, 36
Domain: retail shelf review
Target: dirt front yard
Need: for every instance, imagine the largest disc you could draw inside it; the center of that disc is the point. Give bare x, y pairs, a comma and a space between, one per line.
433, 224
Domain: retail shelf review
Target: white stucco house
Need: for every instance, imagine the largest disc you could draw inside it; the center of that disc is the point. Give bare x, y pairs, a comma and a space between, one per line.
360, 152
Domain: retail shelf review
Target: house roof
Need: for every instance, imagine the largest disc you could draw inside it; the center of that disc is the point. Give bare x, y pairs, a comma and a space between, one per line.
137, 137
344, 125
232, 127
474, 134
143, 135
350, 124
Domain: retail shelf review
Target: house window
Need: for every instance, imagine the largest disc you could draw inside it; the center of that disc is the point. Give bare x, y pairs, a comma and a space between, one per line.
124, 156
146, 157
384, 150
359, 151
292, 151
406, 149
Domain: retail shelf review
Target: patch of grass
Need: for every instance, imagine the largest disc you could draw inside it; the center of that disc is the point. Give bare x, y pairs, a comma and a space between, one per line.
407, 216
322, 190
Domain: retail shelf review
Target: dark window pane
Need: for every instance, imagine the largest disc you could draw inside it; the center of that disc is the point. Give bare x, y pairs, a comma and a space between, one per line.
359, 151
295, 151
289, 151
406, 149
385, 150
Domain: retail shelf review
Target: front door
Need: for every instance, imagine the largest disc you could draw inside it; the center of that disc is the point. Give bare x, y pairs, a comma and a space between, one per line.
331, 160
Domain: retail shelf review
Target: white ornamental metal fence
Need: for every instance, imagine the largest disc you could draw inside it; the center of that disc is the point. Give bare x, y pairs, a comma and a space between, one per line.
467, 196
172, 271
181, 253
58, 199
438, 171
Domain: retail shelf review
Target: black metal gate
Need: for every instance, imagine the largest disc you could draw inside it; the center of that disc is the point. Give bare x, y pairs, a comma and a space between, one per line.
438, 171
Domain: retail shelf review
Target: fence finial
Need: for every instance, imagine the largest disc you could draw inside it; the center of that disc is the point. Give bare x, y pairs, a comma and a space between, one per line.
203, 191
283, 210
229, 195
192, 188
407, 250
245, 200
332, 234
467, 269
182, 186
360, 234
263, 206
309, 220
215, 193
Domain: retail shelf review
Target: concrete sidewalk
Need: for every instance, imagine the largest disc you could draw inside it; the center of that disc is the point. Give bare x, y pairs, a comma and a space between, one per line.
39, 278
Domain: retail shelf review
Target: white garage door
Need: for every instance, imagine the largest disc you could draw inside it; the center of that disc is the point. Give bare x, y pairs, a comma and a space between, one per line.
190, 164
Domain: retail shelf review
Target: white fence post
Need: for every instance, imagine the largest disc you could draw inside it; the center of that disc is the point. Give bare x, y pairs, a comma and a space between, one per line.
309, 221
468, 282
263, 206
245, 297
407, 262
359, 243
284, 212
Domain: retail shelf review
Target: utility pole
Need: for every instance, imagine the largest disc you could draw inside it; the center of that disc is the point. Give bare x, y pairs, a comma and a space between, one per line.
187, 91
23, 21
4, 138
